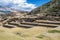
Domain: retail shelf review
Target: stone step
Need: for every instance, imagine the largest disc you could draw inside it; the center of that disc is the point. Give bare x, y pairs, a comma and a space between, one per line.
50, 23
20, 25
39, 24
9, 26
25, 26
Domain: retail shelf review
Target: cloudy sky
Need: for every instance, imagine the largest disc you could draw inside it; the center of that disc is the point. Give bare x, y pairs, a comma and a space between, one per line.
26, 5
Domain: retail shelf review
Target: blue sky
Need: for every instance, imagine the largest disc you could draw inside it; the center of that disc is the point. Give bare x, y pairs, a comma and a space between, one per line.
26, 5
38, 2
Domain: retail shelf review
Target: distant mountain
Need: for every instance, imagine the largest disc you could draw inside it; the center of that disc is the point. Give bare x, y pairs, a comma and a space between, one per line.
9, 10
5, 10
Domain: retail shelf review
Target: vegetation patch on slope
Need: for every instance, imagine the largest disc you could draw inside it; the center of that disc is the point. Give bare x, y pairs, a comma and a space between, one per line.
53, 31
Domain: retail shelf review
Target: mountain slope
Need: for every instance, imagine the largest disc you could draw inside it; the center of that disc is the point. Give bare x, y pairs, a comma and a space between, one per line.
51, 6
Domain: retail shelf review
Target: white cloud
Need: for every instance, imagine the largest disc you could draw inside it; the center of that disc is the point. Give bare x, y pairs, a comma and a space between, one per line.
18, 4
18, 1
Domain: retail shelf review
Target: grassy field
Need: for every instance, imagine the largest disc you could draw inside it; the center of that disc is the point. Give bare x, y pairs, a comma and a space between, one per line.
5, 34
35, 33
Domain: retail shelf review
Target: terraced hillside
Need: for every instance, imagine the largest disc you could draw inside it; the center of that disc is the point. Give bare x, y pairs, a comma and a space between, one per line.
38, 25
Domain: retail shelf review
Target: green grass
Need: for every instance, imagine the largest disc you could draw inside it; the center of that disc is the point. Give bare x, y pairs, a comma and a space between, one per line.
53, 31
44, 37
40, 36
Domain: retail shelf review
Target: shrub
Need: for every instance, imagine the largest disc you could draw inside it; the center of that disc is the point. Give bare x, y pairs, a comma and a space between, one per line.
54, 31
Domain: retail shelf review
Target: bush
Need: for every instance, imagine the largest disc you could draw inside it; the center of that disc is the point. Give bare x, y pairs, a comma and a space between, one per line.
54, 31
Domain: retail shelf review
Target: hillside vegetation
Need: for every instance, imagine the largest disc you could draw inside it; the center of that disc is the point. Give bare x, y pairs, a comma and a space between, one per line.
48, 11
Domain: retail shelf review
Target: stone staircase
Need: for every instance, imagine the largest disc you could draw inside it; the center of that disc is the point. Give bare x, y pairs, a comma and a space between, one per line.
15, 22
20, 25
51, 24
